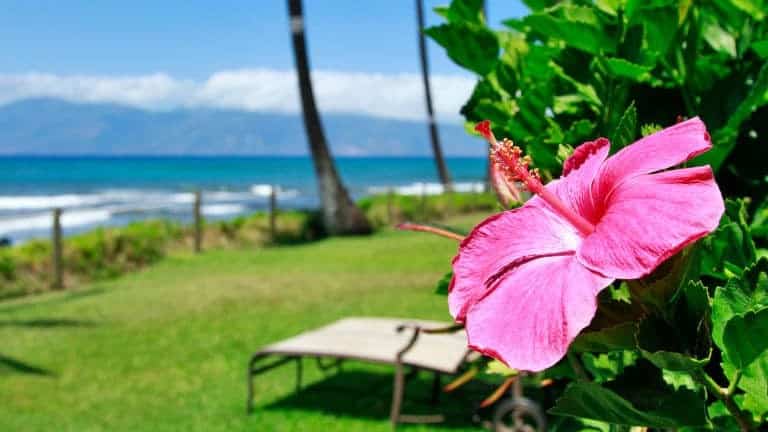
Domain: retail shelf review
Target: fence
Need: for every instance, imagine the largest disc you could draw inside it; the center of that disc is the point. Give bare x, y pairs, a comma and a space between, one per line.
419, 204
57, 247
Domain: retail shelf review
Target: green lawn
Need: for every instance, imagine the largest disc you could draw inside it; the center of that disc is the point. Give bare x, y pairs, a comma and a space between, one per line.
166, 349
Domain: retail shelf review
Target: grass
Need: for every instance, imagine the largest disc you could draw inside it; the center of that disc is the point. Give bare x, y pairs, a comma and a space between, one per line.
165, 349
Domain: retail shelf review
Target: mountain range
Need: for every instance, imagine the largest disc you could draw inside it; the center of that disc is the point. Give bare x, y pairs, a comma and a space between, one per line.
56, 127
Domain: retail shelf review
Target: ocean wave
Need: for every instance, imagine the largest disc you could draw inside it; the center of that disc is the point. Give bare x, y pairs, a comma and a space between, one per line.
37, 202
222, 209
265, 190
41, 221
133, 199
422, 188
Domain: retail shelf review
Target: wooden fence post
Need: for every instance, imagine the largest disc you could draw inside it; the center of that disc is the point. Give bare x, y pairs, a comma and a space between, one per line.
423, 202
198, 221
58, 277
273, 213
390, 207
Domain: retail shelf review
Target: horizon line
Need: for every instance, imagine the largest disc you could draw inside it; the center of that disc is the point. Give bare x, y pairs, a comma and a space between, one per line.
215, 156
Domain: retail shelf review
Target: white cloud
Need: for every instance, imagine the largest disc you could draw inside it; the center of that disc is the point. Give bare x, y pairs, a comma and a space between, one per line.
398, 96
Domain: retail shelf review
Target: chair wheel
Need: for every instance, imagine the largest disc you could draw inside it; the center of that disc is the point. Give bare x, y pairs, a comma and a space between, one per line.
519, 415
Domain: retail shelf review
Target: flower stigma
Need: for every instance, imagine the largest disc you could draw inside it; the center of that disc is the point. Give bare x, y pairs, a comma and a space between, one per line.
510, 161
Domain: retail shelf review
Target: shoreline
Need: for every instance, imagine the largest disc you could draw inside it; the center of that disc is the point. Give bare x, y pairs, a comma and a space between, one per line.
28, 216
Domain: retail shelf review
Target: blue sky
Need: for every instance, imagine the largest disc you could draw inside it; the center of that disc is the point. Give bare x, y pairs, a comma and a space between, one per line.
196, 38
170, 47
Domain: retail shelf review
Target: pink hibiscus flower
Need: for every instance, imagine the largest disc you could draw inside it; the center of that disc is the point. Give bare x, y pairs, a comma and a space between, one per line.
525, 281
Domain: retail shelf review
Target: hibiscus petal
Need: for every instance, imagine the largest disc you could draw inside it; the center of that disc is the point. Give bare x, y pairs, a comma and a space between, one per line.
650, 218
535, 312
501, 241
664, 149
579, 171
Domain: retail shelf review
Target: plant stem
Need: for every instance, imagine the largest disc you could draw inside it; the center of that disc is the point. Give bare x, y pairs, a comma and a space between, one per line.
430, 229
734, 383
577, 367
725, 395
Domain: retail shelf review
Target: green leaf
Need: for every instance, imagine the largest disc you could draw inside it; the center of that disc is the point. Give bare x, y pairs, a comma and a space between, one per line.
621, 68
755, 8
680, 380
639, 398
746, 293
609, 6
754, 384
576, 32
661, 285
499, 368
444, 283
724, 139
659, 21
620, 293
760, 48
719, 39
652, 347
537, 5
682, 341
612, 313
649, 129
498, 112
722, 420
570, 424
745, 337
568, 104
461, 11
586, 91
729, 249
626, 131
441, 10
607, 366
469, 45
617, 338
577, 13
580, 131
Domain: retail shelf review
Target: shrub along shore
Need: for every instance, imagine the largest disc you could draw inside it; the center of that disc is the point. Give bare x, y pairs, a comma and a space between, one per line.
105, 253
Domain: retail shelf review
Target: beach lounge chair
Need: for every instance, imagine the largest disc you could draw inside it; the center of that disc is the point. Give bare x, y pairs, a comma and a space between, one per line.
418, 344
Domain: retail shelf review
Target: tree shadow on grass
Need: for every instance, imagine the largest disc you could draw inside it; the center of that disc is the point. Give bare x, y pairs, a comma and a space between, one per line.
11, 365
31, 301
47, 323
369, 395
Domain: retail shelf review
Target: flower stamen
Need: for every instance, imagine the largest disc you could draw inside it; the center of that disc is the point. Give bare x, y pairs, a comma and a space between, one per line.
510, 161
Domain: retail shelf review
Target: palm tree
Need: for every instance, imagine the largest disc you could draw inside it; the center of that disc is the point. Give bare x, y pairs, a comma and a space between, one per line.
340, 215
442, 169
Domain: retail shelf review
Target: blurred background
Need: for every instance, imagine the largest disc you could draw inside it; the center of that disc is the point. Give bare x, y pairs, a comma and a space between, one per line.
184, 183
120, 111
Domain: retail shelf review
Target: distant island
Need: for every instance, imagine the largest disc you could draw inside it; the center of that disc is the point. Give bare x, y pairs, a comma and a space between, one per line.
56, 127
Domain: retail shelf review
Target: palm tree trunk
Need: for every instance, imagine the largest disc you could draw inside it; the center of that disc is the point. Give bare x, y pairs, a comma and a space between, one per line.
442, 168
340, 215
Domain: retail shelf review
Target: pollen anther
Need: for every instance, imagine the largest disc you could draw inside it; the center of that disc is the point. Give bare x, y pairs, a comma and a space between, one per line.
511, 162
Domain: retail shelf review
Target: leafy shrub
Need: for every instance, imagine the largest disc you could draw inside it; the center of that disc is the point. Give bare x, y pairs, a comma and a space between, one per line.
230, 228
572, 71
683, 348
7, 265
388, 210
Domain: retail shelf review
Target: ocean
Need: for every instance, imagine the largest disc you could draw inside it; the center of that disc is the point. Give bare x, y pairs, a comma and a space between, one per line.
112, 191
